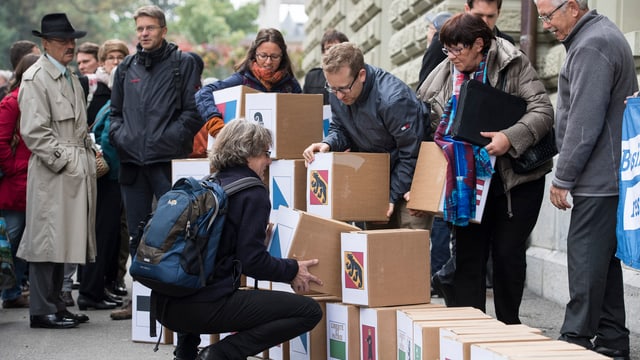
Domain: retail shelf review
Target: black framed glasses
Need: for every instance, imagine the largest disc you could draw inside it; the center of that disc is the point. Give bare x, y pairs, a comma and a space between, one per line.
268, 153
453, 51
547, 18
344, 89
264, 57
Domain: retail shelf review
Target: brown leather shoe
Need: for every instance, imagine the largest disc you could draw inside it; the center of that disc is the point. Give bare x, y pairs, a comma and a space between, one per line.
19, 302
67, 298
124, 313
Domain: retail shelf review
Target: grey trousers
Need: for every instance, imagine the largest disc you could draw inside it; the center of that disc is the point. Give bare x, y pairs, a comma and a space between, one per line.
45, 284
596, 305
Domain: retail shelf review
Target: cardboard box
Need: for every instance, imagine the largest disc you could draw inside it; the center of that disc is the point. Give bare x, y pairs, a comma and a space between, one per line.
230, 103
386, 267
196, 168
450, 331
295, 120
326, 119
312, 345
288, 185
429, 178
349, 186
405, 320
303, 236
426, 335
559, 354
458, 347
427, 186
378, 329
140, 322
503, 351
343, 337
279, 352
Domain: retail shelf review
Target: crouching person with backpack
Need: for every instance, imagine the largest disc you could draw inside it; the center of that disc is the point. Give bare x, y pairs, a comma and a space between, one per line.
259, 319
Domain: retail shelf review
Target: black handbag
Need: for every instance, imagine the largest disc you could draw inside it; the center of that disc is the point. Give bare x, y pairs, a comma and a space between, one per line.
536, 155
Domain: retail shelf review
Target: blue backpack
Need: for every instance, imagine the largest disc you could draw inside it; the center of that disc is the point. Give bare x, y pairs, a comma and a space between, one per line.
177, 250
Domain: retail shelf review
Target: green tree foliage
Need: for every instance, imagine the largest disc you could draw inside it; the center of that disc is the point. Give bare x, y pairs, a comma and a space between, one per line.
212, 28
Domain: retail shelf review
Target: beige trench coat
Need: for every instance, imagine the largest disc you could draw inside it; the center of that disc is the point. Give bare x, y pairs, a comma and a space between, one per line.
61, 180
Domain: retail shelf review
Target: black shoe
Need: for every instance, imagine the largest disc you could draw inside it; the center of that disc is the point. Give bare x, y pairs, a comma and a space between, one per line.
446, 290
75, 286
80, 318
118, 288
109, 297
52, 321
206, 354
612, 353
84, 303
67, 298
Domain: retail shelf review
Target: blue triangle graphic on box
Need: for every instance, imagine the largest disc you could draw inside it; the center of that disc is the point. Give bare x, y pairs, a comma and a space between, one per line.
274, 249
304, 340
278, 197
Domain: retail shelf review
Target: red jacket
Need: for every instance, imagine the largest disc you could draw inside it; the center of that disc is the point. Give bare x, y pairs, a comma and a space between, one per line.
13, 163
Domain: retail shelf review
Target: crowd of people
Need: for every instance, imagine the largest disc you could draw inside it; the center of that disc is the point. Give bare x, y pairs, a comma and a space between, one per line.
136, 112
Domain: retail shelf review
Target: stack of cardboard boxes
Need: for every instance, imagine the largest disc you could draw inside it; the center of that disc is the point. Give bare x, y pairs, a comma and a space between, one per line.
376, 292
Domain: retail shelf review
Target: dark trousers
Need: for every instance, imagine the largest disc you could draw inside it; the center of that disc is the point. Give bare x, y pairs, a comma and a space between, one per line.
107, 239
596, 305
139, 186
440, 244
261, 320
506, 237
45, 284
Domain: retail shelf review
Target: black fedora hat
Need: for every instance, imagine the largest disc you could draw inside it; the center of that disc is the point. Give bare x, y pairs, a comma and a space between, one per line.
57, 26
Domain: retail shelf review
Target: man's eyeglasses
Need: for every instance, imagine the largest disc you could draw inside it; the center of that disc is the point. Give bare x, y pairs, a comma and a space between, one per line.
453, 51
344, 89
268, 153
148, 28
264, 57
547, 18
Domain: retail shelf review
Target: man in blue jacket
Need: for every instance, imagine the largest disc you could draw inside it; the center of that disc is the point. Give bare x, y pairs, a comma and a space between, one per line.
153, 114
374, 112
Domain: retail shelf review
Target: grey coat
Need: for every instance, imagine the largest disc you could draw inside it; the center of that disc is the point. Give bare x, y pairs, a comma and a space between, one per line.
521, 80
61, 182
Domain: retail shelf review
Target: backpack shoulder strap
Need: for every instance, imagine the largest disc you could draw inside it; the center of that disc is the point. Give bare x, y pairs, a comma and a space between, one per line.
241, 184
177, 77
124, 66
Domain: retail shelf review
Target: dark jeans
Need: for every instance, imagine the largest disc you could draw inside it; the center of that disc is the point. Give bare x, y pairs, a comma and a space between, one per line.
506, 237
139, 186
260, 319
440, 244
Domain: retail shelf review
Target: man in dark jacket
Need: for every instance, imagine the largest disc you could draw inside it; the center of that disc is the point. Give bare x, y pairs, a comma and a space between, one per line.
315, 81
374, 111
153, 114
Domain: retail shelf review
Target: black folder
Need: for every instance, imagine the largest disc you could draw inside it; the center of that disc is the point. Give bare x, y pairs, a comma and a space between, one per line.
482, 107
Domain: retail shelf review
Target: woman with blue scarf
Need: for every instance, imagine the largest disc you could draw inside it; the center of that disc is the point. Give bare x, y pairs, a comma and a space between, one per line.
513, 204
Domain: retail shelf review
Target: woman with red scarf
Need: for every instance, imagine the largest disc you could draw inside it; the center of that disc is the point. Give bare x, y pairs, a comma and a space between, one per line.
266, 68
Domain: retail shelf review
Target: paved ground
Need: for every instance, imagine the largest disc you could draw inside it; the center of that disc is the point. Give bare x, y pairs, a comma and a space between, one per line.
103, 338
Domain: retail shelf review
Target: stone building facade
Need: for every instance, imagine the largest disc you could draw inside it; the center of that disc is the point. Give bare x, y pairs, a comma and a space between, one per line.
392, 35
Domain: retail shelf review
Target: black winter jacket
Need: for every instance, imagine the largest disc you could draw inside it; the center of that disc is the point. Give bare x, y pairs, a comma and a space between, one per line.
146, 125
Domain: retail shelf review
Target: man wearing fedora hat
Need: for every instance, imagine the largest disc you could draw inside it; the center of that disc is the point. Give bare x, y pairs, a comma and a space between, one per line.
61, 181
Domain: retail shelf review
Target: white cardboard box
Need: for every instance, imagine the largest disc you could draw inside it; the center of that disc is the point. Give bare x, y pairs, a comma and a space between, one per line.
287, 184
140, 324
231, 104
196, 168
326, 119
459, 347
343, 337
295, 120
349, 186
503, 351
385, 267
